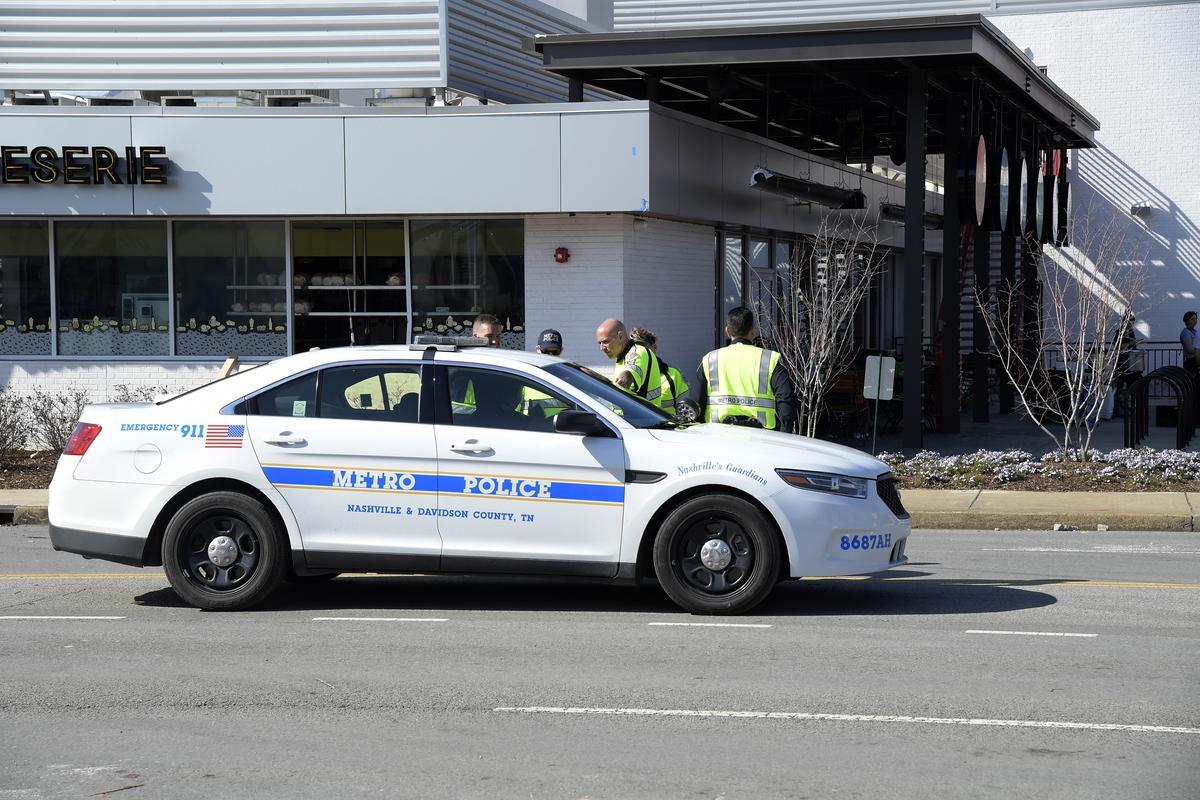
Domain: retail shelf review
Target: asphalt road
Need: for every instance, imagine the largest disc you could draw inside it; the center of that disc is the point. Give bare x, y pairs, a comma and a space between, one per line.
929, 682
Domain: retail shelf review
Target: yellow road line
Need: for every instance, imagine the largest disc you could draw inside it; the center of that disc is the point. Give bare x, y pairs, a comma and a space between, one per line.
78, 576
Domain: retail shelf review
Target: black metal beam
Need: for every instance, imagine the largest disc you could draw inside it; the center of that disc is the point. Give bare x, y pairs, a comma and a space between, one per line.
914, 256
951, 267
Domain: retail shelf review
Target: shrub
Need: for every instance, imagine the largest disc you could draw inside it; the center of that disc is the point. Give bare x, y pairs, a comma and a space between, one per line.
127, 393
52, 417
14, 427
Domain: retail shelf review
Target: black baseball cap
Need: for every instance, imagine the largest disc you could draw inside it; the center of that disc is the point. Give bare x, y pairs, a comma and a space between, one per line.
550, 339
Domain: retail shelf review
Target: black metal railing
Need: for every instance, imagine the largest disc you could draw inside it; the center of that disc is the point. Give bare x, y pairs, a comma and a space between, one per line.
1177, 383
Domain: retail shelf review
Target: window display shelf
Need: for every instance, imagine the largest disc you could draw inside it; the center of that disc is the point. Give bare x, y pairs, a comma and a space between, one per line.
354, 314
272, 288
355, 288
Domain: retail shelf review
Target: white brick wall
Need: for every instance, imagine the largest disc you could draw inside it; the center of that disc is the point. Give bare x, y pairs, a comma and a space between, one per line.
670, 287
1138, 71
574, 298
100, 379
646, 272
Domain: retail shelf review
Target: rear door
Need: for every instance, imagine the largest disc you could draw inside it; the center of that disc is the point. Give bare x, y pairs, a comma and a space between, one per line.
514, 495
347, 449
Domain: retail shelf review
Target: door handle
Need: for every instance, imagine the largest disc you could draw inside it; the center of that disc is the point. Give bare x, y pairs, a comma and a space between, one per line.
286, 439
471, 446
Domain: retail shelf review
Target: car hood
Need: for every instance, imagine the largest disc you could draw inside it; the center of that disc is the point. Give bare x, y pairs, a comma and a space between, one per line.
777, 450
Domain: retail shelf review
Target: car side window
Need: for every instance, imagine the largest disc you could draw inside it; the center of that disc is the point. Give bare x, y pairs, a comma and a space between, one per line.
379, 392
486, 398
296, 398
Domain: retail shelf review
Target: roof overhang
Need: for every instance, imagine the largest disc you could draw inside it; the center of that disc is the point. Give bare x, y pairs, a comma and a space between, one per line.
837, 88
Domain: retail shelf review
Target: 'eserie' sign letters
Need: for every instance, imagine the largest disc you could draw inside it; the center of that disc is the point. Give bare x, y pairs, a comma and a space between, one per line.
83, 165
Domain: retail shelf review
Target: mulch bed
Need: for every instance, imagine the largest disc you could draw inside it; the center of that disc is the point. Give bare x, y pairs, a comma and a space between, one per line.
28, 469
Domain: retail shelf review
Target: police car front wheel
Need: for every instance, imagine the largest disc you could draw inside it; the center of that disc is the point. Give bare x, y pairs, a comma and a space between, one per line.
717, 554
223, 551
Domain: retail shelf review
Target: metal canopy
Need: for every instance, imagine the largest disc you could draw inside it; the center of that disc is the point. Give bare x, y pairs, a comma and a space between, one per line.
834, 89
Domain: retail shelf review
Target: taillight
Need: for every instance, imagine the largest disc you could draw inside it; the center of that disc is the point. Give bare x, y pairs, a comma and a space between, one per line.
81, 438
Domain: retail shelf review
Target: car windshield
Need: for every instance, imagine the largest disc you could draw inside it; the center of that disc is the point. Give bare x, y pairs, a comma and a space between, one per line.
635, 410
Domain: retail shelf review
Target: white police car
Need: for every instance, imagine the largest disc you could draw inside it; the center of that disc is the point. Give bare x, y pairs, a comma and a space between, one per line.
448, 459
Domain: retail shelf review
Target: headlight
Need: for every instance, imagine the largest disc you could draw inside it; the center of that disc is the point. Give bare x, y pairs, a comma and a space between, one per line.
825, 482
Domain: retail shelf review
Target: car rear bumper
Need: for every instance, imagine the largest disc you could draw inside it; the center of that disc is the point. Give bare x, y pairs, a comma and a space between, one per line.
93, 544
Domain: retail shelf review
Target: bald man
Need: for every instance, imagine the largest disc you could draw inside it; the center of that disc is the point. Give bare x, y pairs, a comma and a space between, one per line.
635, 367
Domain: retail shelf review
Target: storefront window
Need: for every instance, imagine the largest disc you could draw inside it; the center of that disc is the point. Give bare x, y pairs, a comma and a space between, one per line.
25, 289
731, 277
112, 288
462, 268
230, 289
350, 285
760, 286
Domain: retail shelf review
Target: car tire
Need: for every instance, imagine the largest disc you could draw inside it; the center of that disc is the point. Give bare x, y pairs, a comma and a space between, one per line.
707, 578
224, 551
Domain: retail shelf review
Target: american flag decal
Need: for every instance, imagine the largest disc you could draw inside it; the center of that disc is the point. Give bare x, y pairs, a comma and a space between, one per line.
224, 435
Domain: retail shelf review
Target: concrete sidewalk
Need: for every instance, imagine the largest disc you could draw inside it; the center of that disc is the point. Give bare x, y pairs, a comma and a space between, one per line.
966, 509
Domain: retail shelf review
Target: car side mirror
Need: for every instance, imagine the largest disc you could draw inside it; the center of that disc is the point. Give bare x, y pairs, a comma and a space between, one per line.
582, 422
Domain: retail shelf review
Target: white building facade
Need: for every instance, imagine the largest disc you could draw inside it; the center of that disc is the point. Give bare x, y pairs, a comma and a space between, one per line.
431, 173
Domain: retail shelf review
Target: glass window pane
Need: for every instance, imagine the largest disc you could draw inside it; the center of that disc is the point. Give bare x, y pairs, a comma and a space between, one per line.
349, 280
24, 288
483, 398
372, 392
731, 276
466, 267
112, 288
230, 297
760, 254
296, 398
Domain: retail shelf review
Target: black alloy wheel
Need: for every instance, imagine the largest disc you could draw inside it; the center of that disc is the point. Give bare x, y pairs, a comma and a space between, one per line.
223, 551
717, 554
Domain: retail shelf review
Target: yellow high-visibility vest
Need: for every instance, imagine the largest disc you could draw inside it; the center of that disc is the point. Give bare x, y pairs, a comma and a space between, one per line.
639, 362
739, 384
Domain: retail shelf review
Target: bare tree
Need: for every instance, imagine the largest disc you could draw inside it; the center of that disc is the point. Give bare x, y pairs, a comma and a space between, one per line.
811, 310
1058, 338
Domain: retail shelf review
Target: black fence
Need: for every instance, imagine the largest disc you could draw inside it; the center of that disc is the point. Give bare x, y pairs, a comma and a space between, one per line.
1175, 382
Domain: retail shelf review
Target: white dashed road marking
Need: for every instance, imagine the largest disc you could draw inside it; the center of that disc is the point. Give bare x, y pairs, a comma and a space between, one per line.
57, 617
379, 619
1038, 633
806, 716
706, 625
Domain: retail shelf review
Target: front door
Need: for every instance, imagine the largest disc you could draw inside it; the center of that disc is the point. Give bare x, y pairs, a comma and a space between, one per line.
346, 449
514, 495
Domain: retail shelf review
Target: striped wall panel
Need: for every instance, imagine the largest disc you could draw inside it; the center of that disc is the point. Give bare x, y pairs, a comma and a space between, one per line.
220, 44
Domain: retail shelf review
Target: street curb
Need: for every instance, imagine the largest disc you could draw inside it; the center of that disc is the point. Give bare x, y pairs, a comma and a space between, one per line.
31, 515
977, 520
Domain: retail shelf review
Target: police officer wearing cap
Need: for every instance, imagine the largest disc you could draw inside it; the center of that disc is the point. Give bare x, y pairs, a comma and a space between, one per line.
540, 404
549, 343
745, 384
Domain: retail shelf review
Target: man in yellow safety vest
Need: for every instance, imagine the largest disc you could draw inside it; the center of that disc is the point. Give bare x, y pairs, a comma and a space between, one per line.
674, 386
744, 384
537, 403
635, 367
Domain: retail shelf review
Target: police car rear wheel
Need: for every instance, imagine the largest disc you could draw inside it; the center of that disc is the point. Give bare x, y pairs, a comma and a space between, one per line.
716, 554
223, 552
